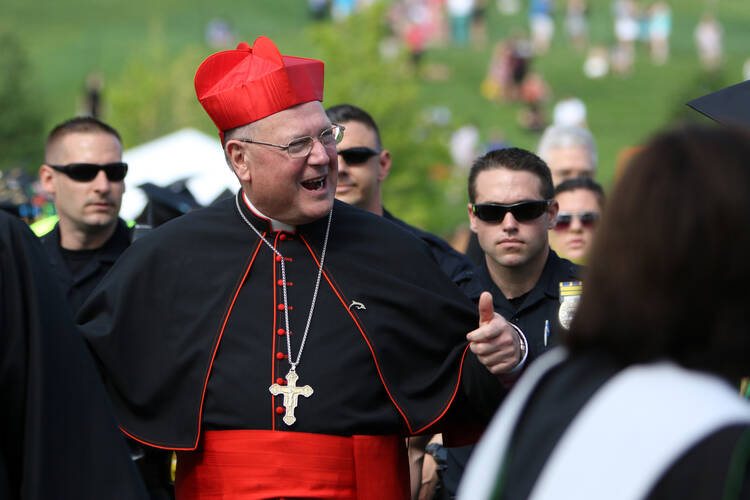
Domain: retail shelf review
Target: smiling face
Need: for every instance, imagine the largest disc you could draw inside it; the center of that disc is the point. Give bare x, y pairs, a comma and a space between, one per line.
91, 207
574, 242
509, 243
290, 190
360, 184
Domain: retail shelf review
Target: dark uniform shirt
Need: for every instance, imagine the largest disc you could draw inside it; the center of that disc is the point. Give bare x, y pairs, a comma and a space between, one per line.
77, 278
539, 307
532, 313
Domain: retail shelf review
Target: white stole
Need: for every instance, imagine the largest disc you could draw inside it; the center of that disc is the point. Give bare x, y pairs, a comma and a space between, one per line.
623, 439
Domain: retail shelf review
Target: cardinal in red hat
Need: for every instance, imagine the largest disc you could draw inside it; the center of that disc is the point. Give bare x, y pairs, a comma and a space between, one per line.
282, 342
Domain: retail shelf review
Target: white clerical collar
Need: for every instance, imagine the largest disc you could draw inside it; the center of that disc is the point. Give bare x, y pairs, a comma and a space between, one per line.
275, 224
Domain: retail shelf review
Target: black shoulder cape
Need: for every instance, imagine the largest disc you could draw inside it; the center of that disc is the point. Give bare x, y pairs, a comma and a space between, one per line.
59, 438
156, 319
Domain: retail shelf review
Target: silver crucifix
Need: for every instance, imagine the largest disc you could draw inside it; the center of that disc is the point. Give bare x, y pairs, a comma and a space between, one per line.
291, 392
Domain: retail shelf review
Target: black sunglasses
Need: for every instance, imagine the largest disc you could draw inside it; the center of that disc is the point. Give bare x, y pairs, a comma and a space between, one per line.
86, 172
565, 219
358, 155
523, 211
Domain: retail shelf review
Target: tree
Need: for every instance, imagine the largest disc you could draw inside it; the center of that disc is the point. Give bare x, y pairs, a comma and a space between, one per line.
422, 187
154, 93
22, 124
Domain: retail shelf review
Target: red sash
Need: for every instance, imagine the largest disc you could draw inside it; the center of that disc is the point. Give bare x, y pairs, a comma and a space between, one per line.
245, 464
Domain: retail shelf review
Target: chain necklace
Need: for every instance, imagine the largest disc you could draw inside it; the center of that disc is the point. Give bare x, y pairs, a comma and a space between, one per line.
295, 362
290, 391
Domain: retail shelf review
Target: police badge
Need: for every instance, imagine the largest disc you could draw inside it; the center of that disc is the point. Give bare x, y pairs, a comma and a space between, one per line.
570, 295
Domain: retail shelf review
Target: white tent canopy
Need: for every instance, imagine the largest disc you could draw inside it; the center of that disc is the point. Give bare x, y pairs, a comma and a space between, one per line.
185, 154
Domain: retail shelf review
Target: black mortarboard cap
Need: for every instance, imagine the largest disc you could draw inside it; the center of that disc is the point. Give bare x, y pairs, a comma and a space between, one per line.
165, 203
728, 106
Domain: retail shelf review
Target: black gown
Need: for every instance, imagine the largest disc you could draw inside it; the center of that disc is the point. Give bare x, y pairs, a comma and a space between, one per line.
717, 466
59, 438
187, 326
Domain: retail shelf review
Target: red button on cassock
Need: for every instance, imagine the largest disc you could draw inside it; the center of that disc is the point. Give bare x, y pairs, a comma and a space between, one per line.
282, 236
280, 381
280, 331
280, 307
280, 355
278, 258
280, 410
280, 282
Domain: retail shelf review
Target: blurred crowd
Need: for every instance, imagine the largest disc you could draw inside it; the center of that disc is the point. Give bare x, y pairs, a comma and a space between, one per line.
472, 369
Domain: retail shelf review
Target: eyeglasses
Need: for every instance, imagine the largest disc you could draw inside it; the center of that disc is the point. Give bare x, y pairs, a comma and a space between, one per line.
565, 219
86, 172
301, 146
357, 155
523, 211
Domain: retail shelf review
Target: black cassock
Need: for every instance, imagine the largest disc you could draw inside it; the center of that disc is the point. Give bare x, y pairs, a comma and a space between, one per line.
58, 437
189, 327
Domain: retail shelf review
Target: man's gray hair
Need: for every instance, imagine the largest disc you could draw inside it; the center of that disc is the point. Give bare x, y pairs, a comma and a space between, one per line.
243, 131
566, 136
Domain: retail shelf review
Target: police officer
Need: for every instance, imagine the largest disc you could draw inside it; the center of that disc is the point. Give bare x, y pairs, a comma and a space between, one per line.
511, 208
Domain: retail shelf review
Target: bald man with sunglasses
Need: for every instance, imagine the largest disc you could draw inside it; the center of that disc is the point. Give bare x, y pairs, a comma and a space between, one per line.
84, 172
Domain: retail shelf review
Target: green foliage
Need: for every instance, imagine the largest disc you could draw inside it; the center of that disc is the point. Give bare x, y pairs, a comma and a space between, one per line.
21, 126
154, 95
147, 53
387, 89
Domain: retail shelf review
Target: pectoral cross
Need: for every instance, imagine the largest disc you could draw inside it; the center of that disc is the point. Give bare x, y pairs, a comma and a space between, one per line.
291, 392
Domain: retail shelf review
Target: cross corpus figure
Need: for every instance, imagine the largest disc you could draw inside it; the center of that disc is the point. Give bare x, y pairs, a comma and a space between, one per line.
291, 392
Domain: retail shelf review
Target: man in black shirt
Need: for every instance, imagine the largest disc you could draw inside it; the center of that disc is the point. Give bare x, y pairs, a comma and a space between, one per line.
511, 209
84, 172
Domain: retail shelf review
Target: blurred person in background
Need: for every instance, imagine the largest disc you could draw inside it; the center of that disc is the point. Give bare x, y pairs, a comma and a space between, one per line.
569, 151
541, 25
659, 30
708, 36
460, 13
581, 202
642, 401
576, 23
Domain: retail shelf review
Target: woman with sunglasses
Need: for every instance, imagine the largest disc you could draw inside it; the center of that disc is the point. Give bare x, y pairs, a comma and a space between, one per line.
581, 201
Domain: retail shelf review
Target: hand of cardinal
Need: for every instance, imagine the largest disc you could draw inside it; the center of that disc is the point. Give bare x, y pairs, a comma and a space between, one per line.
495, 343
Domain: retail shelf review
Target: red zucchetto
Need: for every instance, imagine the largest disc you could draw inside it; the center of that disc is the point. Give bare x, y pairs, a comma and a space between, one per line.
237, 87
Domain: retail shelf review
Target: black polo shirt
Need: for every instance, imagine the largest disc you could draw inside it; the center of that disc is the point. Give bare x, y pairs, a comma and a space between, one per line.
79, 276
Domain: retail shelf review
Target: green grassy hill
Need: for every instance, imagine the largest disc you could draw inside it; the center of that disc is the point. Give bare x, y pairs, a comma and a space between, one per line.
147, 52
